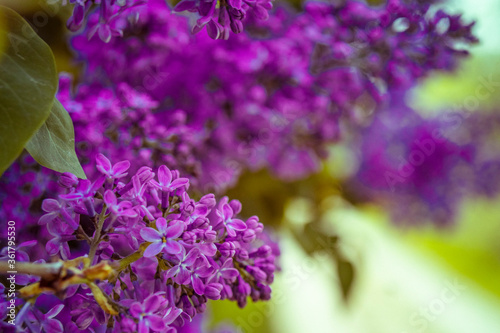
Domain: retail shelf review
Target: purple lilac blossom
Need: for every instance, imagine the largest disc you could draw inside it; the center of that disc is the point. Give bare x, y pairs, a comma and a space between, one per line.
172, 279
269, 98
423, 168
219, 117
109, 11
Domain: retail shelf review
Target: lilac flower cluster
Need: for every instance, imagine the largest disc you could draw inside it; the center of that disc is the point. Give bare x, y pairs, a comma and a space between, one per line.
273, 98
110, 11
172, 252
250, 103
222, 16
424, 168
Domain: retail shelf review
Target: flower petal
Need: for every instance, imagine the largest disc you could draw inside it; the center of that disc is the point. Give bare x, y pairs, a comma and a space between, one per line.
161, 225
179, 182
171, 315
84, 320
198, 285
53, 326
237, 224
150, 235
156, 323
54, 311
173, 247
152, 304
109, 198
229, 273
182, 276
191, 257
164, 175
120, 168
227, 212
103, 164
136, 309
50, 205
154, 249
175, 229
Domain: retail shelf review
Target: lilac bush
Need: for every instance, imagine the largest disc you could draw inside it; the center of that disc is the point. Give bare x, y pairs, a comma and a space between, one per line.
290, 88
166, 120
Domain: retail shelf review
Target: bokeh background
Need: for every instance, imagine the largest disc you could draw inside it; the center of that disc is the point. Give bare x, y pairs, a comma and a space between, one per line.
346, 267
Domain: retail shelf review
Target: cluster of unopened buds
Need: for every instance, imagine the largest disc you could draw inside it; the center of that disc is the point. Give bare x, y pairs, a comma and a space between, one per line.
154, 255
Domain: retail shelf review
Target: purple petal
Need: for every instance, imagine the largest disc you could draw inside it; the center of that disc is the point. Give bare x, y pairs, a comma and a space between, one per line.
208, 249
229, 273
28, 243
227, 212
52, 246
84, 320
150, 235
179, 182
228, 263
183, 276
191, 257
97, 184
143, 326
71, 196
175, 229
54, 311
78, 14
136, 309
105, 33
154, 249
44, 219
171, 315
164, 175
152, 304
201, 210
235, 3
53, 326
213, 290
51, 205
260, 12
198, 285
238, 225
230, 231
103, 164
156, 323
172, 272
173, 247
213, 29
65, 252
99, 315
128, 213
120, 168
109, 198
205, 272
161, 225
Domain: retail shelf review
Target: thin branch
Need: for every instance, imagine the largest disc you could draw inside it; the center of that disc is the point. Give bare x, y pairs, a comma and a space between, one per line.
43, 270
97, 237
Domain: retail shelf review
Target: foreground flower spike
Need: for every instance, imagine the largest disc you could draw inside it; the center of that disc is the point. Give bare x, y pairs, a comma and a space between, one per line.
155, 256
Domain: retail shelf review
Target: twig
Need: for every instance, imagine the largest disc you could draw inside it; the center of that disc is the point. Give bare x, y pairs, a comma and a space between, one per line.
43, 270
97, 237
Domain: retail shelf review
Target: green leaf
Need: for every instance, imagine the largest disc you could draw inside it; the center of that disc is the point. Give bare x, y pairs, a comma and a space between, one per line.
28, 83
53, 146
